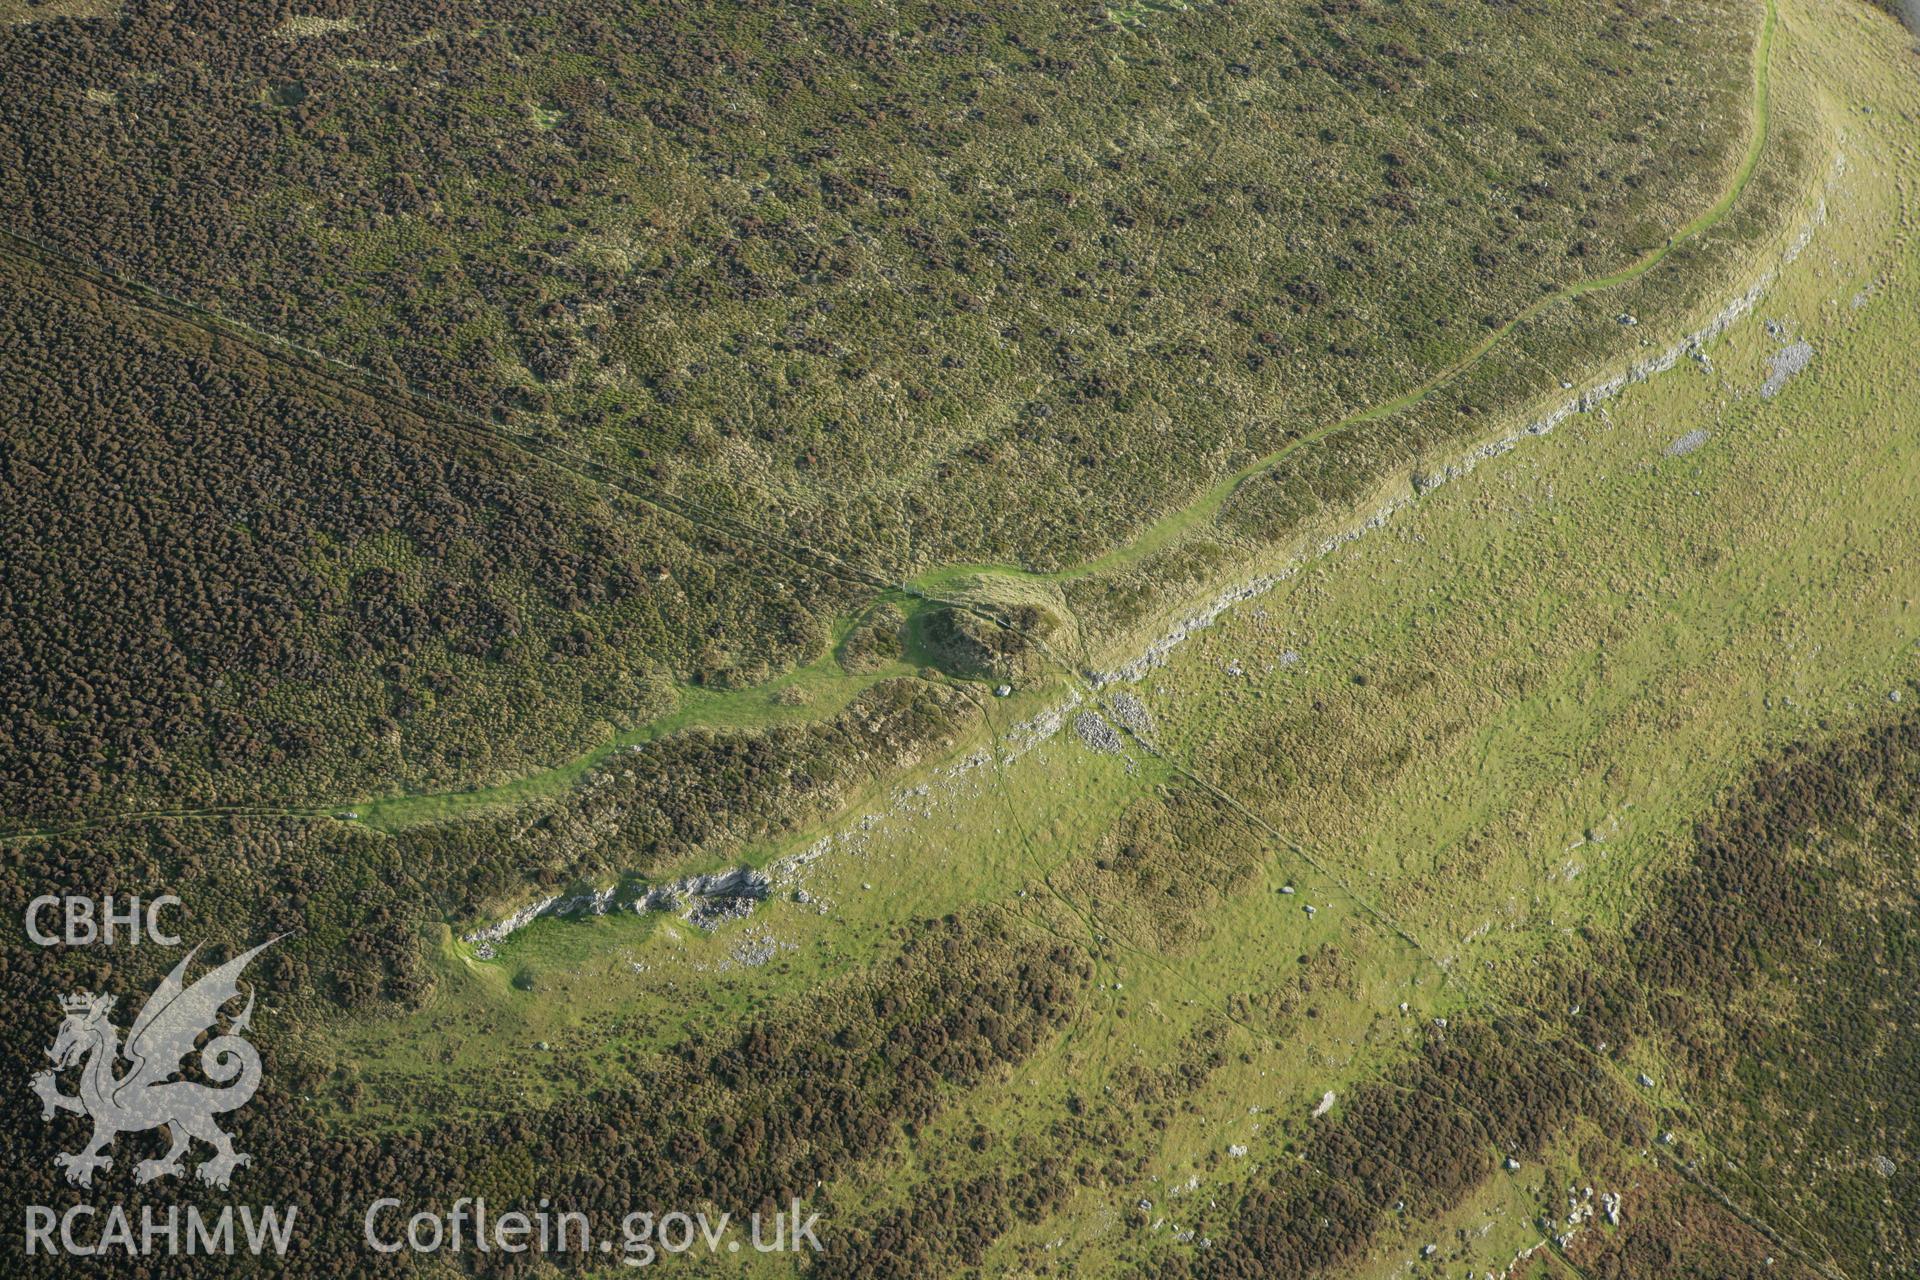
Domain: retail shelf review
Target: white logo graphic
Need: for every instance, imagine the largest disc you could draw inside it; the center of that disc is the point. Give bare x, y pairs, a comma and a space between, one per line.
144, 1096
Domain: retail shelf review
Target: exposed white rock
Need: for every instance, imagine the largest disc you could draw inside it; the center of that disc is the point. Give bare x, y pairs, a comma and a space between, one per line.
708, 899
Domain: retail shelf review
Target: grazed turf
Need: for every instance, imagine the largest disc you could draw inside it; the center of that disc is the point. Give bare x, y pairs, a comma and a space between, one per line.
1509, 707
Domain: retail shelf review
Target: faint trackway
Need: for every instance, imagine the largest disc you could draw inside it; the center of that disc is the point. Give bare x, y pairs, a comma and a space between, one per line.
355, 380
1169, 528
1523, 1020
363, 382
430, 408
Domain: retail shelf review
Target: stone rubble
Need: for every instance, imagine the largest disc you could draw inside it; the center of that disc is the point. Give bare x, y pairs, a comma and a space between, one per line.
705, 901
1093, 729
1784, 365
1424, 482
1686, 444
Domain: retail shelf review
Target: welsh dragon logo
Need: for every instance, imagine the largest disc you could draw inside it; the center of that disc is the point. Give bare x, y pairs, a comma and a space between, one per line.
144, 1096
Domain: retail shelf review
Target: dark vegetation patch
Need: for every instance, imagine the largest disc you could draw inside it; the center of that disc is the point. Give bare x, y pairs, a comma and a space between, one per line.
355, 904
706, 790
1773, 966
501, 213
1777, 968
1777, 965
740, 1121
946, 1228
1425, 1137
223, 583
360, 905
1676, 1231
1784, 971
1006, 643
878, 640
938, 288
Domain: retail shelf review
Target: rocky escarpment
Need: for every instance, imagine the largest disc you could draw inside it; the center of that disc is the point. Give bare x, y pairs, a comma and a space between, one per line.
704, 901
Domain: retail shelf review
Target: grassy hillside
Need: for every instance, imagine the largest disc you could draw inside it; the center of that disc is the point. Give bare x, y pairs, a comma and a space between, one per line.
731, 555
917, 285
1529, 824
